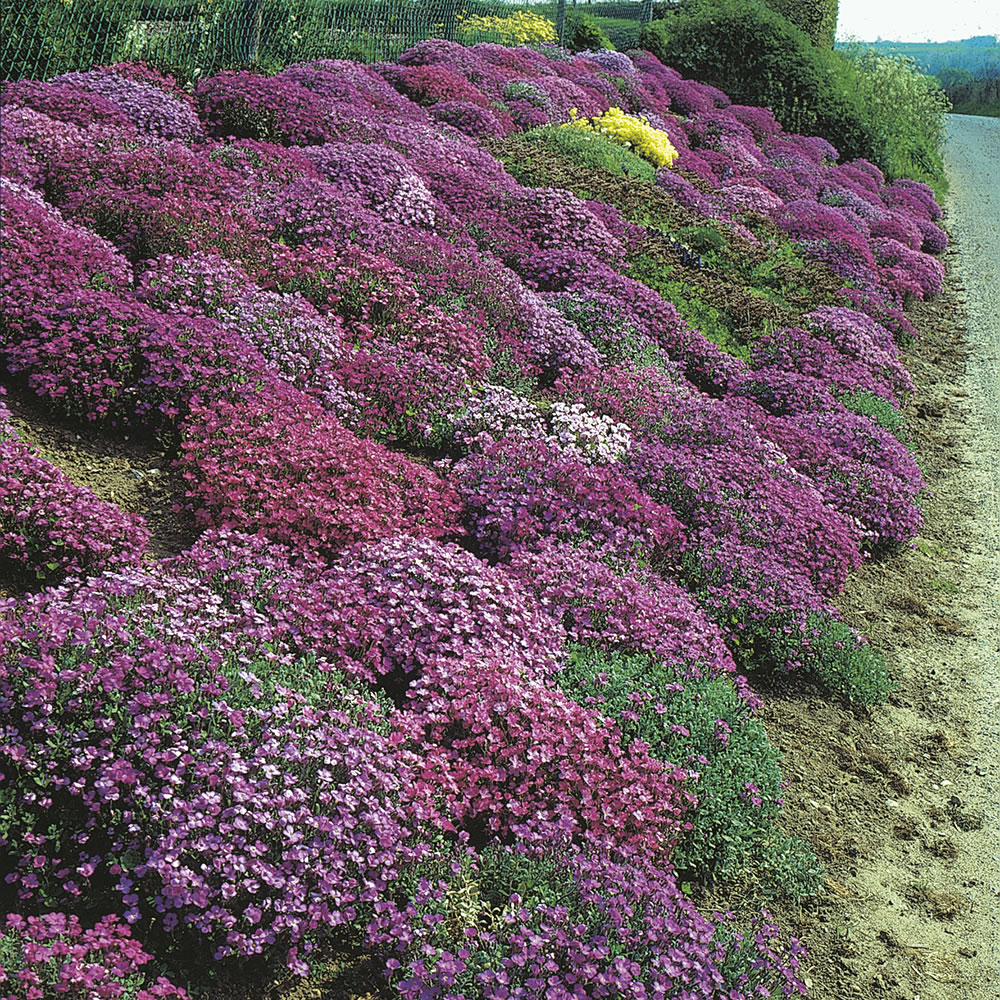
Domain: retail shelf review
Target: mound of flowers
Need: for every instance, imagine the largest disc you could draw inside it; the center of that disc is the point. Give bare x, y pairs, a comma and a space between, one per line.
499, 509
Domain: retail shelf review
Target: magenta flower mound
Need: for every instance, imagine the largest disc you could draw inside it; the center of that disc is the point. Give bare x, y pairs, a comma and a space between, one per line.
599, 600
907, 272
812, 353
158, 196
275, 461
557, 219
511, 756
762, 538
593, 923
77, 349
151, 108
376, 299
55, 954
380, 177
518, 492
352, 93
429, 83
859, 469
473, 119
406, 604
43, 253
275, 109
65, 101
389, 392
49, 526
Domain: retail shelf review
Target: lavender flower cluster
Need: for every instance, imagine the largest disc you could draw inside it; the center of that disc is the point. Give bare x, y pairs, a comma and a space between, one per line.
54, 954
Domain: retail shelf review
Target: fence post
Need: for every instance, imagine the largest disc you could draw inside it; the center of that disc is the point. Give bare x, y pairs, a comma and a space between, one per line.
561, 21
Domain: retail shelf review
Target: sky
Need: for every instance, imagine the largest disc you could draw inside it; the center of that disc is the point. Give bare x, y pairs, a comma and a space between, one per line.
917, 20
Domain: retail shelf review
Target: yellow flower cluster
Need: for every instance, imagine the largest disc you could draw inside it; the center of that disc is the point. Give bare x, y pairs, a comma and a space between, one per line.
633, 132
517, 29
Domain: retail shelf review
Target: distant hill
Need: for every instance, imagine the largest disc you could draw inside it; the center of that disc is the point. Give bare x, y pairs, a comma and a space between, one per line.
978, 56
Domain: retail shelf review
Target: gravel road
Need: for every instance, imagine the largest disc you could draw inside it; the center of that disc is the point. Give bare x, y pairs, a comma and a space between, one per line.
972, 159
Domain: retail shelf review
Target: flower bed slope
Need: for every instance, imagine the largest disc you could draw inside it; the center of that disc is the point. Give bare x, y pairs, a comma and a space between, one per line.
527, 403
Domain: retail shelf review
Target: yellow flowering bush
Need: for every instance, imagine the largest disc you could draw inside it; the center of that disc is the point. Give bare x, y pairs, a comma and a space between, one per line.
632, 131
519, 28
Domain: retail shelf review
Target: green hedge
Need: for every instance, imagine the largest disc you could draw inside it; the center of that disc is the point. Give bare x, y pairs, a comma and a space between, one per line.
758, 57
817, 18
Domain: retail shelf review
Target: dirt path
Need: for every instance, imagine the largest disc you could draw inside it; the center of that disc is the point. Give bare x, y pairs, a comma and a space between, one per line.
974, 210
903, 805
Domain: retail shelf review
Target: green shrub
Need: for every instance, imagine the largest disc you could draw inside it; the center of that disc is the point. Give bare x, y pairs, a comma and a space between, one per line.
817, 18
758, 57
703, 724
584, 33
905, 110
980, 96
953, 76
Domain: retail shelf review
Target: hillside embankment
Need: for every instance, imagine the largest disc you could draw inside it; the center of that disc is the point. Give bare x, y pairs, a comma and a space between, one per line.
897, 800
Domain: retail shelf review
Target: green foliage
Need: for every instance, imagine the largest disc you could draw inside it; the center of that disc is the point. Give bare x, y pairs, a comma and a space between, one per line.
758, 57
591, 149
905, 110
702, 723
192, 38
817, 18
825, 648
879, 411
976, 97
953, 76
583, 32
689, 301
705, 239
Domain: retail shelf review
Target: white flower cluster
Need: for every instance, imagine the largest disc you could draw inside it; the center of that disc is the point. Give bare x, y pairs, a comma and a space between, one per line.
591, 438
498, 413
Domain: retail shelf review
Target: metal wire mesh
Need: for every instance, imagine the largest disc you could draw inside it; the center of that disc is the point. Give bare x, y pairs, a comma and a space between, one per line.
190, 38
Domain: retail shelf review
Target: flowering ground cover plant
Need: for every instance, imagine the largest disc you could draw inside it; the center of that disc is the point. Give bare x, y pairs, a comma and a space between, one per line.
53, 954
499, 504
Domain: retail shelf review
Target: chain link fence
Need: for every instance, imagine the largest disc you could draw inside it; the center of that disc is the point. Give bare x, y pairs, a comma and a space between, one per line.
190, 38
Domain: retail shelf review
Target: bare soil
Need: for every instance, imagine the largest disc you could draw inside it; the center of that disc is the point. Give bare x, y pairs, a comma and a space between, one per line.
133, 473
